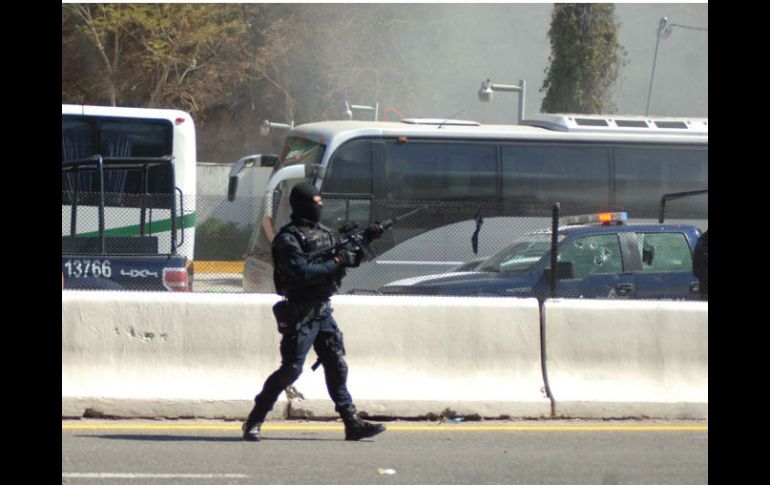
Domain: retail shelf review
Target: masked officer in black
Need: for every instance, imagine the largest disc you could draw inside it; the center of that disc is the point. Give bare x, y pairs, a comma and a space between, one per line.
304, 317
700, 264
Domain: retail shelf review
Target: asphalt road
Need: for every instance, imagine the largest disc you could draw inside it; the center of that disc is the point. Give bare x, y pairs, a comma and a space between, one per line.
424, 453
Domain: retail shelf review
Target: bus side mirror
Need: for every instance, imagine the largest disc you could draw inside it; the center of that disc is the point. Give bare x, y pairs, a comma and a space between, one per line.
249, 161
268, 160
232, 187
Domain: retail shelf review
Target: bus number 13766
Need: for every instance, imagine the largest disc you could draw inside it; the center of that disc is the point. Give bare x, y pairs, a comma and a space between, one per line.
84, 268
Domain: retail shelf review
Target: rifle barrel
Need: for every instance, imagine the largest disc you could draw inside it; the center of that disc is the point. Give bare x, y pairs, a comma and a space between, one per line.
386, 224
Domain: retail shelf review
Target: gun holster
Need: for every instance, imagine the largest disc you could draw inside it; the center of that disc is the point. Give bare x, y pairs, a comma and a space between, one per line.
290, 317
284, 317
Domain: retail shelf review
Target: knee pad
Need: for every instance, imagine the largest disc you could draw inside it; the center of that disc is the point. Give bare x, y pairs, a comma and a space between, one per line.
290, 373
343, 368
336, 367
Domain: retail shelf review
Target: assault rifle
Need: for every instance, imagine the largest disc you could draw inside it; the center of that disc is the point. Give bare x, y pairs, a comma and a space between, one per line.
355, 238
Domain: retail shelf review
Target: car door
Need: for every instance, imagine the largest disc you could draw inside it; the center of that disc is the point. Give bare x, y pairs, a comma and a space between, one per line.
597, 268
666, 267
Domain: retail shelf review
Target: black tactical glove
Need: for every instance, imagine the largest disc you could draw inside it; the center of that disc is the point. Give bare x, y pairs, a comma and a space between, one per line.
375, 230
350, 258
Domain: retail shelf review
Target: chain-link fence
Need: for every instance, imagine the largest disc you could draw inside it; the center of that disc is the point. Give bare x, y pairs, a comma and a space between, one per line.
228, 251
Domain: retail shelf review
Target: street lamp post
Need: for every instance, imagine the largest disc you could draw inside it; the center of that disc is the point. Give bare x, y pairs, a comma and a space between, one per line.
487, 89
664, 30
268, 126
661, 27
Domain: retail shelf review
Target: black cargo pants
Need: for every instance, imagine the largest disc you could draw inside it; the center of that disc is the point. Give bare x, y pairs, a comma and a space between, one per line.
324, 336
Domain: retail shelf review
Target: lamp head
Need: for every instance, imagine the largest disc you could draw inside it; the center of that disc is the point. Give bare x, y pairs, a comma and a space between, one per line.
485, 93
264, 128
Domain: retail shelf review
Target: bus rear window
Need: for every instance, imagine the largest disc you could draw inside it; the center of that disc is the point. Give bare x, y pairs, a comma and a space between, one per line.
82, 138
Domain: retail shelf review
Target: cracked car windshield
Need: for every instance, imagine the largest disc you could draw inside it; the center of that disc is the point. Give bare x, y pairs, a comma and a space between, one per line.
520, 256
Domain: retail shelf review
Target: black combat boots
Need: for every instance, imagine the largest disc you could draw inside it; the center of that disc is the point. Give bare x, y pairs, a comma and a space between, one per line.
251, 431
356, 428
252, 426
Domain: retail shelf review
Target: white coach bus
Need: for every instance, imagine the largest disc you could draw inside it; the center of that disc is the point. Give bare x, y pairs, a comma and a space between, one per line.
506, 176
128, 198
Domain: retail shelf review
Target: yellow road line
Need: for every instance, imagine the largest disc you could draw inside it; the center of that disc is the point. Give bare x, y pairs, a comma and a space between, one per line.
396, 427
218, 267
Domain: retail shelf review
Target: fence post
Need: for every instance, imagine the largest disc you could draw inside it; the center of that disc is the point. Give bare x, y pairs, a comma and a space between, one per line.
554, 244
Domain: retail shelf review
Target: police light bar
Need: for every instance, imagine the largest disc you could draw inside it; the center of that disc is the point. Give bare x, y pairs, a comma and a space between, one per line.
605, 218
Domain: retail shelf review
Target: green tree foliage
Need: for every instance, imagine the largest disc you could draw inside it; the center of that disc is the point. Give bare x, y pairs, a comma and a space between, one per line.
99, 30
292, 62
153, 55
234, 65
218, 240
586, 58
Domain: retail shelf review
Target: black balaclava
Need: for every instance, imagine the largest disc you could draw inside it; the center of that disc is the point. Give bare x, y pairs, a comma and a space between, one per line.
302, 204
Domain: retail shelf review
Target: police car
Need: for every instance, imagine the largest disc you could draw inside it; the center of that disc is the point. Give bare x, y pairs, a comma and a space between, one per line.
598, 256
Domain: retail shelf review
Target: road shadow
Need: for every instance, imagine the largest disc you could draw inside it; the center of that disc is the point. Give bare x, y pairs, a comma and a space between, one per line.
171, 438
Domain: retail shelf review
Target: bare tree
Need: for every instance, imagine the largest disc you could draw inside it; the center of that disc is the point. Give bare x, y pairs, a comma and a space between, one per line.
105, 26
182, 55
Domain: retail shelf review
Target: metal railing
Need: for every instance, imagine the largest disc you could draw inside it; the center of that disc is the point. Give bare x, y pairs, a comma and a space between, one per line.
224, 230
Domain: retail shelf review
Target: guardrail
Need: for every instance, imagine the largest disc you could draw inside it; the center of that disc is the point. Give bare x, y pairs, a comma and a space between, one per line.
615, 359
139, 354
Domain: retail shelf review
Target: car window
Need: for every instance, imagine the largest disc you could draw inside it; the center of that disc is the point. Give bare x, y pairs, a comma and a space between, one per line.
664, 252
589, 255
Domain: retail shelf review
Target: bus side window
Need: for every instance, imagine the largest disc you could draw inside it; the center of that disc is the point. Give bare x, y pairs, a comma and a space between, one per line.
644, 174
442, 171
571, 174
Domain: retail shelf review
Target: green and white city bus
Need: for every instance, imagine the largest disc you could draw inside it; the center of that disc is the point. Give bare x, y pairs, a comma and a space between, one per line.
128, 198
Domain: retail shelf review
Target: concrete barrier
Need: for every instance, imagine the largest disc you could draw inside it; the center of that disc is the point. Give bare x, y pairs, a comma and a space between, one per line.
615, 359
416, 356
164, 354
206, 355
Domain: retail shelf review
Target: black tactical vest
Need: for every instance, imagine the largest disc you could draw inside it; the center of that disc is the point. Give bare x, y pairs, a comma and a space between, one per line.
310, 239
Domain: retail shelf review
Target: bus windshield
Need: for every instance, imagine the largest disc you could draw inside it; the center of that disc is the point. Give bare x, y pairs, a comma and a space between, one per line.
520, 256
298, 150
